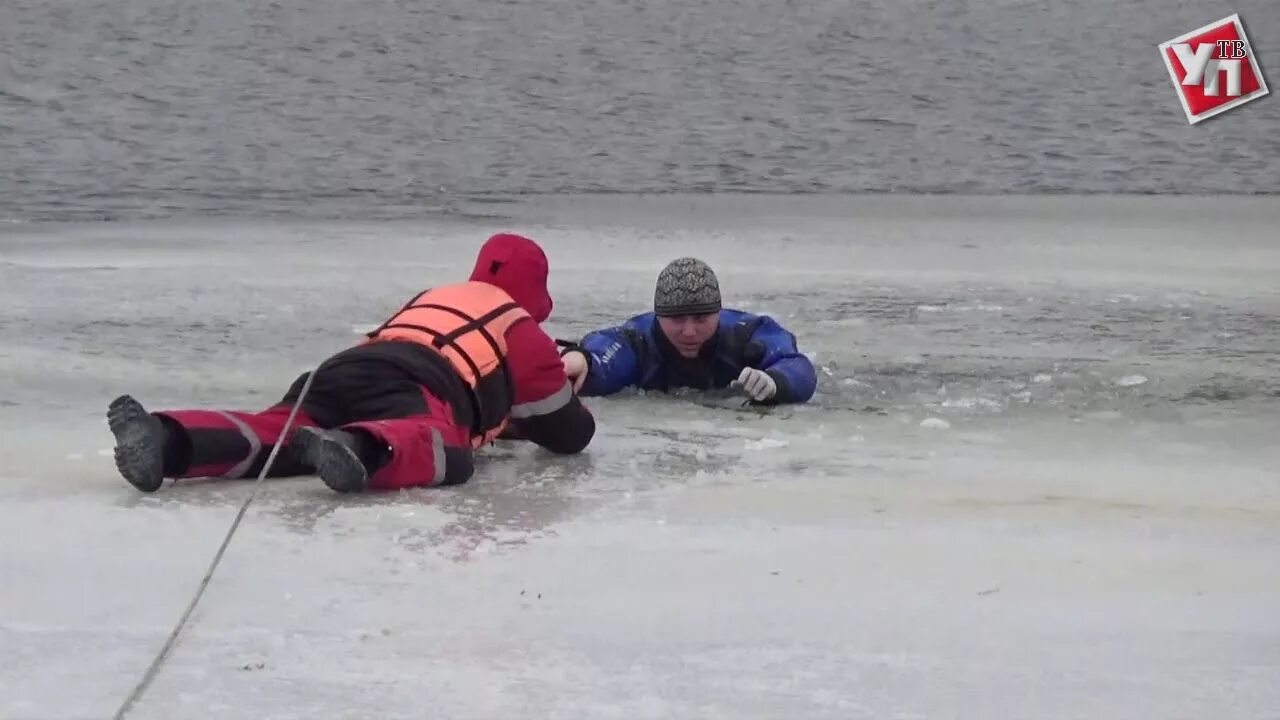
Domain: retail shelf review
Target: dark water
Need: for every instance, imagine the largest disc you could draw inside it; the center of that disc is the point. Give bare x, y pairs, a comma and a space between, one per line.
339, 108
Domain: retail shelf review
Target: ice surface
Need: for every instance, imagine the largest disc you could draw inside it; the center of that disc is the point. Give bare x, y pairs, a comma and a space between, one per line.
1071, 545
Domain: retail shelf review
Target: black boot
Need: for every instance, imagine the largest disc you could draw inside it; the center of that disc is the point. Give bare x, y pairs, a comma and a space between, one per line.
140, 443
336, 457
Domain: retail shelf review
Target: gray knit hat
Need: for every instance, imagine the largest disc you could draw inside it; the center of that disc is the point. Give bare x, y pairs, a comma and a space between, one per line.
686, 286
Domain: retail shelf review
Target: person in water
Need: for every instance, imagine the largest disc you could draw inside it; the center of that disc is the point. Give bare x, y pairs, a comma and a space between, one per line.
690, 340
457, 367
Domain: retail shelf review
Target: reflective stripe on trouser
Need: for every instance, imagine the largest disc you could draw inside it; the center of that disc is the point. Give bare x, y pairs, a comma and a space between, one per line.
426, 450
235, 444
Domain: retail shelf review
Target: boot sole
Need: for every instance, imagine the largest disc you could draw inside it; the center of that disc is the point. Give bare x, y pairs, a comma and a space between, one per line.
139, 450
335, 463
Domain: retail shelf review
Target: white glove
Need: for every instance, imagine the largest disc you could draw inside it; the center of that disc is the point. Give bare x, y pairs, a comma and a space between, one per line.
757, 384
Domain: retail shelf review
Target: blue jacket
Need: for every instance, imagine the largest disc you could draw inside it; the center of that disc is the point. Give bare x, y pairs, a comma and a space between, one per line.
637, 354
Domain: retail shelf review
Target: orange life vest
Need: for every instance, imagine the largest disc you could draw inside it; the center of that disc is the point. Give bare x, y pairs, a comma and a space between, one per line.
466, 323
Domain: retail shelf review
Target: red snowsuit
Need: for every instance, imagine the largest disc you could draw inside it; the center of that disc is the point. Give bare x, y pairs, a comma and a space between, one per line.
429, 405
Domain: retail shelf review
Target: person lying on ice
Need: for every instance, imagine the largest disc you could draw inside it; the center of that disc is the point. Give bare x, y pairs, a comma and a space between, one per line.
459, 366
689, 340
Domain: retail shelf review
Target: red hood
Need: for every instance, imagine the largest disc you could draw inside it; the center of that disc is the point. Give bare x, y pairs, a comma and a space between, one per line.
518, 266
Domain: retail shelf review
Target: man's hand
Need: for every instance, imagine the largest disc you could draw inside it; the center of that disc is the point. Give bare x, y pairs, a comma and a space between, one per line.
511, 432
757, 384
575, 366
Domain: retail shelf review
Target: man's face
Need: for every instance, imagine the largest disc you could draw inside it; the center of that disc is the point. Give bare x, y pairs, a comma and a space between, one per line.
688, 332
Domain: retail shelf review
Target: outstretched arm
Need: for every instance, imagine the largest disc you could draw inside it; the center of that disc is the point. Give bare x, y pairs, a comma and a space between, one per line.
545, 409
790, 369
614, 358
